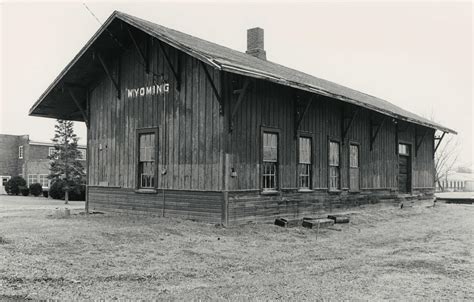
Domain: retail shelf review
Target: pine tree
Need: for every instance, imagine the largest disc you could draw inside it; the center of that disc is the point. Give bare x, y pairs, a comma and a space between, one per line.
65, 164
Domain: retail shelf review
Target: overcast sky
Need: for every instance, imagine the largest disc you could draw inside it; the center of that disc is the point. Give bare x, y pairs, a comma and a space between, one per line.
415, 55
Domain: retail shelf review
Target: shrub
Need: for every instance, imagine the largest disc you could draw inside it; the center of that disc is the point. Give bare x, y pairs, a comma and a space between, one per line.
45, 194
24, 190
36, 189
79, 194
56, 191
13, 185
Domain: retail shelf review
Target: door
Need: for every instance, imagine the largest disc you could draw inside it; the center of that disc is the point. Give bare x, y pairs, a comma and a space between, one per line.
4, 180
404, 168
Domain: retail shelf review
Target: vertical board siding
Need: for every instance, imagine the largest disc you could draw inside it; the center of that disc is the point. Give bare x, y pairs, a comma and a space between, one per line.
194, 137
271, 105
188, 119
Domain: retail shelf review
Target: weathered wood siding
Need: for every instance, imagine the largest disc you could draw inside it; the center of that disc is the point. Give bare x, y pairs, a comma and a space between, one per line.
188, 120
201, 206
271, 105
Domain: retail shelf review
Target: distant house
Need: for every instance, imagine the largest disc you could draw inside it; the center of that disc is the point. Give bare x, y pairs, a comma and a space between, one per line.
456, 182
183, 127
20, 156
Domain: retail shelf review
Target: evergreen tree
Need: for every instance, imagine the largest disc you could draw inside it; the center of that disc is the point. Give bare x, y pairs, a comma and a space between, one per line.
65, 164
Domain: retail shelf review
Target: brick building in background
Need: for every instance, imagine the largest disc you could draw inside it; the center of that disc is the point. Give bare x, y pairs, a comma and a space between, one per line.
20, 156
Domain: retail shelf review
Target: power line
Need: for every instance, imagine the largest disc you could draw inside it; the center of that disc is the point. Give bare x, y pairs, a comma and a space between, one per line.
93, 15
115, 39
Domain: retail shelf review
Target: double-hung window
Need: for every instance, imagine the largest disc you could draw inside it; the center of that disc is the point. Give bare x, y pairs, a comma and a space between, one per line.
43, 180
304, 163
270, 161
334, 166
32, 178
146, 160
51, 151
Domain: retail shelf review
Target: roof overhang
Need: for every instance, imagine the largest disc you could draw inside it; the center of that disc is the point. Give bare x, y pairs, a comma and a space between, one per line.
58, 101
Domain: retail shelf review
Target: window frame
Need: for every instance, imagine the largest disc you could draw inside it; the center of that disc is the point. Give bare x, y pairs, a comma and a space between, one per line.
334, 140
28, 183
277, 131
83, 153
20, 152
47, 180
309, 135
50, 154
139, 132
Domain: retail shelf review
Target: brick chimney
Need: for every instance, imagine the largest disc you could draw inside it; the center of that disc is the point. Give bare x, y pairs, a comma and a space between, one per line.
255, 43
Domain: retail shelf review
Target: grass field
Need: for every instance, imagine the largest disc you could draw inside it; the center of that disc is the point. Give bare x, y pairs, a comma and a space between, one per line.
412, 253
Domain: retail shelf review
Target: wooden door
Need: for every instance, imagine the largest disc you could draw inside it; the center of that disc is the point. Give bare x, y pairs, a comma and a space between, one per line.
404, 169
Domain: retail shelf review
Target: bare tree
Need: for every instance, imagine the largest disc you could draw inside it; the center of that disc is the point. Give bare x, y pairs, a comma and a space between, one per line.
446, 157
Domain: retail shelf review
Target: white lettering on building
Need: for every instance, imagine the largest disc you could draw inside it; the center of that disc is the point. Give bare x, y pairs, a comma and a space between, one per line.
155, 89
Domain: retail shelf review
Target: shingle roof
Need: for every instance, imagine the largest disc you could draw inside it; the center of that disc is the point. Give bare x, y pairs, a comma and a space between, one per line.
230, 60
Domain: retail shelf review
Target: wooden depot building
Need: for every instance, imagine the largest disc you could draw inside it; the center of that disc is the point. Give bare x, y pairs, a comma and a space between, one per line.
182, 127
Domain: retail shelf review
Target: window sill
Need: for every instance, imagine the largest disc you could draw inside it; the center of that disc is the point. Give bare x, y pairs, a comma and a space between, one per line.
305, 191
269, 192
146, 191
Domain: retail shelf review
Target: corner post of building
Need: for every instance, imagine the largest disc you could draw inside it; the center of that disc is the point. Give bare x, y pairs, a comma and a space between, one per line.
225, 147
86, 206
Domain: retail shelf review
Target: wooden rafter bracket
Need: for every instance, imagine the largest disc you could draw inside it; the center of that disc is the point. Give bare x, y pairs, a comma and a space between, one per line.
109, 74
418, 142
300, 115
214, 88
439, 139
79, 106
373, 134
176, 72
345, 130
241, 92
143, 55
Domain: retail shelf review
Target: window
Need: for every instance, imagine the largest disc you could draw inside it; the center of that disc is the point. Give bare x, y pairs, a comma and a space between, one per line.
304, 163
354, 167
270, 161
43, 180
403, 149
334, 173
32, 178
83, 153
354, 156
20, 152
51, 151
146, 160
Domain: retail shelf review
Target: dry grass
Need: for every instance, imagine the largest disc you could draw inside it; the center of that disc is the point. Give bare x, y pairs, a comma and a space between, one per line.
384, 253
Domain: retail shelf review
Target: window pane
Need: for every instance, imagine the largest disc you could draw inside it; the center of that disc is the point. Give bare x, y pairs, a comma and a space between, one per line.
403, 149
305, 150
354, 156
269, 176
270, 147
146, 165
334, 154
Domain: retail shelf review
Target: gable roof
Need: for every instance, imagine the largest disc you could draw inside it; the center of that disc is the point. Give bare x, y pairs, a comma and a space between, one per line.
227, 59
